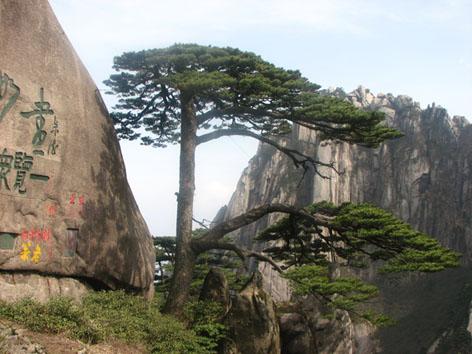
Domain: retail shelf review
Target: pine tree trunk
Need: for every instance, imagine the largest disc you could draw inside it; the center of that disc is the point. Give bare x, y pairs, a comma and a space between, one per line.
185, 257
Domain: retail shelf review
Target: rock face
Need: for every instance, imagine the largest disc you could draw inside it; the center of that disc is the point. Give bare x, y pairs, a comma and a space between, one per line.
296, 334
313, 329
14, 286
215, 288
425, 178
66, 209
249, 315
252, 323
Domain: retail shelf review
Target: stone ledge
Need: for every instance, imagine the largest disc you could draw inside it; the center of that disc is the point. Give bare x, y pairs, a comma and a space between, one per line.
17, 286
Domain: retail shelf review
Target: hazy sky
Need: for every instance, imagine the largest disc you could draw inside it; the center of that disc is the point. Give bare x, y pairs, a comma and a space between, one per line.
419, 48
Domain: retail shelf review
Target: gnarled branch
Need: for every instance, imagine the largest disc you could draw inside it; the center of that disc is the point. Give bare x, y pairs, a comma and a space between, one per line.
298, 158
202, 246
223, 228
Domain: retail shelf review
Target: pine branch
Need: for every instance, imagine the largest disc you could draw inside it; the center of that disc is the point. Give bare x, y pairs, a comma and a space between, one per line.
202, 246
224, 228
298, 158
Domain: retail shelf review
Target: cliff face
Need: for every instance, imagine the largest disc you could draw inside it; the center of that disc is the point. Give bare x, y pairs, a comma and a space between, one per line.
425, 178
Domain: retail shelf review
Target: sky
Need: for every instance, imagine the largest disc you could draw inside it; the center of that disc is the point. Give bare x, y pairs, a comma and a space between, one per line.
419, 48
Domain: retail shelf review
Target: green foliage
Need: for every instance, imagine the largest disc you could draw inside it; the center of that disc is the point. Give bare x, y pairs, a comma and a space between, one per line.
110, 315
225, 91
230, 90
339, 293
165, 257
205, 319
224, 262
344, 293
377, 319
165, 247
56, 316
313, 279
355, 234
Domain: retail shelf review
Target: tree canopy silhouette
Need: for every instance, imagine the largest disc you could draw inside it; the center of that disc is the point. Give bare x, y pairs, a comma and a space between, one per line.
190, 94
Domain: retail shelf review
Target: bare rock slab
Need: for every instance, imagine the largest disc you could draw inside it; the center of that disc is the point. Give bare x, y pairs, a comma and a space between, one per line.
66, 208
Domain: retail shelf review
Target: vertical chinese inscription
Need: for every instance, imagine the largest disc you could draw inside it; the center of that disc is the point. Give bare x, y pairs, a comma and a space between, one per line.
43, 108
53, 144
25, 251
5, 167
9, 93
22, 164
20, 161
32, 240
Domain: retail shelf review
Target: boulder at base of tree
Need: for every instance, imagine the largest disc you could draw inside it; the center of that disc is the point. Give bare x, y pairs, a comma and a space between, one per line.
252, 322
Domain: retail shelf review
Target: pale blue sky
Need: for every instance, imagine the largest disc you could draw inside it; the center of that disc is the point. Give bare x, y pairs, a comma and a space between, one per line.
419, 48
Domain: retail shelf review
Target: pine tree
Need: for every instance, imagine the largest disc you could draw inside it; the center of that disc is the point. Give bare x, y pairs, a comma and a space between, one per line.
189, 94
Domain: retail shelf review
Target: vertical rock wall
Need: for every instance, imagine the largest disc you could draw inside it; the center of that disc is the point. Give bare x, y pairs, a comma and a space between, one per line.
425, 178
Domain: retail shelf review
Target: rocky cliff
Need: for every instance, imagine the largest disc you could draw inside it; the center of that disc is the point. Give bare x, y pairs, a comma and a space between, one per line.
425, 178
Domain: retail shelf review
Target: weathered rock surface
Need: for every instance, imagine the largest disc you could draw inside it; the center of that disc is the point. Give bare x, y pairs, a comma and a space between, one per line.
296, 334
66, 209
313, 329
252, 322
425, 178
215, 288
15, 286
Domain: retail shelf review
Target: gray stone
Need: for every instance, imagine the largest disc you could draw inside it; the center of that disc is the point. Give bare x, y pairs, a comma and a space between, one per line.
215, 288
425, 178
296, 336
252, 322
66, 209
15, 286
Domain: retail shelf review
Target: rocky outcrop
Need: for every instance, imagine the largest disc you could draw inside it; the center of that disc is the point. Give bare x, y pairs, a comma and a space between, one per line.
314, 329
66, 209
249, 316
215, 288
425, 178
252, 322
15, 286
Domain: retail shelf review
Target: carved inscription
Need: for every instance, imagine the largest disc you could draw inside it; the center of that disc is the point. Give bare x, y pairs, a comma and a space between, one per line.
9, 93
5, 167
75, 205
42, 109
77, 199
21, 162
32, 240
16, 166
51, 210
53, 145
